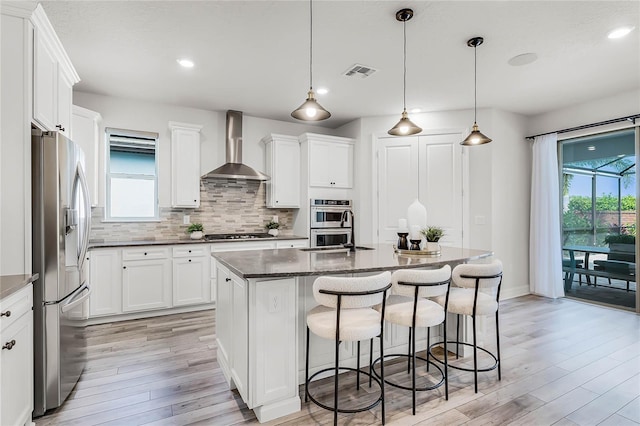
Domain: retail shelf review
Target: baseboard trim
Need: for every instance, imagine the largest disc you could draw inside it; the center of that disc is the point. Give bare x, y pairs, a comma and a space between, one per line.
149, 314
512, 292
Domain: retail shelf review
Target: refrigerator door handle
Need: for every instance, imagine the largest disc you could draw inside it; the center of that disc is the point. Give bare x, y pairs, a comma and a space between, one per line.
87, 218
76, 299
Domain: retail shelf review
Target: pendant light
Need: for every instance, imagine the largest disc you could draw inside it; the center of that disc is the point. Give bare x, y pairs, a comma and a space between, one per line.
405, 126
475, 137
311, 110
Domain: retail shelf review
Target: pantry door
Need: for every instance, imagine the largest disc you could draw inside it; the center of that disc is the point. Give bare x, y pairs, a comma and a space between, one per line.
427, 167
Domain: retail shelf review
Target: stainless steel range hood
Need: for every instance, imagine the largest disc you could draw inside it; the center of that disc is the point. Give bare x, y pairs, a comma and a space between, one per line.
233, 168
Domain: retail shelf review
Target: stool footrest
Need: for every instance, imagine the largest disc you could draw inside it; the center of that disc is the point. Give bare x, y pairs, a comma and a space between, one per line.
457, 367
344, 410
396, 385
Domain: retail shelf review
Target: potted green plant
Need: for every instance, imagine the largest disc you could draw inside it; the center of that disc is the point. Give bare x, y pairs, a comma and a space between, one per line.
195, 231
272, 228
432, 234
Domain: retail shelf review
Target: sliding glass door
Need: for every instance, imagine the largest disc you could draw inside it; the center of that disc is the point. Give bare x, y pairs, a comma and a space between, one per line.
599, 217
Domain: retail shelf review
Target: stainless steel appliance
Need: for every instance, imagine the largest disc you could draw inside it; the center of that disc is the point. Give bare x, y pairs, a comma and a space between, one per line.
331, 222
329, 213
61, 213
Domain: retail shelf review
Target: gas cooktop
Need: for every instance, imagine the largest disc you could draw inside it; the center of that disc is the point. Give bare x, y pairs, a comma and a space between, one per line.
210, 237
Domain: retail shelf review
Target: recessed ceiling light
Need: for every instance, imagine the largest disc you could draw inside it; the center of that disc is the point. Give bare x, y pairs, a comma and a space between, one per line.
523, 59
620, 32
323, 91
416, 110
591, 148
187, 63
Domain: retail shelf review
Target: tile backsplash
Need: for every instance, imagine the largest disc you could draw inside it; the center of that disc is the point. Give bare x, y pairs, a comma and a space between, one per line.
226, 206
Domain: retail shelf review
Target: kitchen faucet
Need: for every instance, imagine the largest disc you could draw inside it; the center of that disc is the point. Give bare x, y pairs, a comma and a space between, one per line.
345, 214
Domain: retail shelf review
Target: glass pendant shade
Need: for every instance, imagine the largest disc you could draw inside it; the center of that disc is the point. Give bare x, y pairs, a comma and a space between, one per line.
476, 137
311, 110
404, 127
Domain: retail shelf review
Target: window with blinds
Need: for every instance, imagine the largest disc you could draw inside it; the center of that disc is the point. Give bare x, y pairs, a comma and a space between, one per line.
132, 175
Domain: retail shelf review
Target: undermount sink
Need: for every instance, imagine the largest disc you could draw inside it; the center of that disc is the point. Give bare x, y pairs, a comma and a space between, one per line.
333, 249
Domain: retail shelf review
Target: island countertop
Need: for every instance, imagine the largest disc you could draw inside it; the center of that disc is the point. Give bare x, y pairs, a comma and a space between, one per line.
298, 262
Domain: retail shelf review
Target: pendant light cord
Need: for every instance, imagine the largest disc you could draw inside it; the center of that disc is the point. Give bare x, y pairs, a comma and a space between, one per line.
404, 64
475, 83
310, 44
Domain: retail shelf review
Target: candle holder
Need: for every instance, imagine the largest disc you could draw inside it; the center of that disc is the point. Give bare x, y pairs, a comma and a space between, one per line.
415, 244
402, 241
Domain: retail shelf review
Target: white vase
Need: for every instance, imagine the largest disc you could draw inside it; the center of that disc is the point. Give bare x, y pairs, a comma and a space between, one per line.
196, 235
432, 246
417, 215
273, 232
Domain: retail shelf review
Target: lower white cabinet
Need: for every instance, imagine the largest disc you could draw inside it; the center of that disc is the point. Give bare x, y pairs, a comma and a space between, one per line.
16, 358
146, 284
146, 278
191, 283
105, 280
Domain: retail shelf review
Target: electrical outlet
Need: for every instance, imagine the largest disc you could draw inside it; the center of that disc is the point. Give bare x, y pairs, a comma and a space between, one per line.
186, 219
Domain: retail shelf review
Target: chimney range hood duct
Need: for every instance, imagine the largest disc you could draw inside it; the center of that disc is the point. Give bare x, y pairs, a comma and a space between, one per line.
233, 168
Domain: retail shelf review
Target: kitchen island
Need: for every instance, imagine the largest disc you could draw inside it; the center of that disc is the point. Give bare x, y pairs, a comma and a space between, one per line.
263, 297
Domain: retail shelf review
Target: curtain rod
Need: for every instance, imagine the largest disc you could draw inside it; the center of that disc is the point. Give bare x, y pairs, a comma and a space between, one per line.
631, 118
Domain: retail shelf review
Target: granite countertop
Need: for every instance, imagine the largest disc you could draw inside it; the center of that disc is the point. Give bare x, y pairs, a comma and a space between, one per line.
9, 284
297, 262
105, 244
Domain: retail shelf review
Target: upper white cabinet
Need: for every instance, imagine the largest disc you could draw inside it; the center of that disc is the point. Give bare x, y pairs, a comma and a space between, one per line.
53, 77
330, 160
282, 157
185, 164
85, 126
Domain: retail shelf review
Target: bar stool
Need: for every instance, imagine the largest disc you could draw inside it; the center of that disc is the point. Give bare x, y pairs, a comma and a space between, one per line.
472, 295
410, 305
346, 313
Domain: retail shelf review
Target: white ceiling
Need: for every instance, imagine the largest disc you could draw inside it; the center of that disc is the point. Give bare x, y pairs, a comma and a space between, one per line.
253, 55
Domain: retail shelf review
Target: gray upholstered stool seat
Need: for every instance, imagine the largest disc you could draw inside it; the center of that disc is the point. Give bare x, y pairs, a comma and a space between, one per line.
346, 313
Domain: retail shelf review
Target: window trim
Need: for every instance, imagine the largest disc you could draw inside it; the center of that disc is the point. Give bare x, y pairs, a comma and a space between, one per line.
110, 131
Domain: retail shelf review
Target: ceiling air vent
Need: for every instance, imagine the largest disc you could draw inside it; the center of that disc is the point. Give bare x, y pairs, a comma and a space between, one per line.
358, 70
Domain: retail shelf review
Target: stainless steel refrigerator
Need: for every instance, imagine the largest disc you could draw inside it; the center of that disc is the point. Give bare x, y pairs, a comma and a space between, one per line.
61, 211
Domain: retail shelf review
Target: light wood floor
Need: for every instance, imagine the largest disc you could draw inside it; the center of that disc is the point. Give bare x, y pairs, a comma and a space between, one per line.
564, 363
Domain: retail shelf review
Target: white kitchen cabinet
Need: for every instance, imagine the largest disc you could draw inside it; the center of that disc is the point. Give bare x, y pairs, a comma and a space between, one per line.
16, 358
282, 163
191, 280
106, 282
239, 342
224, 311
292, 244
185, 164
146, 284
53, 77
85, 125
330, 160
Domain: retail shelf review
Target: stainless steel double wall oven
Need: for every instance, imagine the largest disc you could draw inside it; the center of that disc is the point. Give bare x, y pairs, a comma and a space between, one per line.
330, 222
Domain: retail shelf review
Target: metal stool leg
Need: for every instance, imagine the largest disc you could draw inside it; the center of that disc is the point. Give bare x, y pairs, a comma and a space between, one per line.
457, 336
475, 354
428, 343
413, 372
358, 368
382, 372
370, 361
498, 343
335, 386
446, 361
306, 372
409, 352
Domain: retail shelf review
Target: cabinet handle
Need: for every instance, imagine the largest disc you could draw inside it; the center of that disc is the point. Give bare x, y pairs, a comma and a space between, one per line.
189, 251
124, 267
145, 253
59, 126
6, 314
9, 345
189, 260
276, 201
227, 279
194, 201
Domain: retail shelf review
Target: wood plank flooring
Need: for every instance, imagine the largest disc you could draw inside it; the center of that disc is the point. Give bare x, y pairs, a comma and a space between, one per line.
564, 363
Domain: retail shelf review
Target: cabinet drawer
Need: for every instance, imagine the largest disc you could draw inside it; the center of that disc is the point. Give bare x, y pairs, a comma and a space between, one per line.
143, 253
191, 251
292, 244
16, 305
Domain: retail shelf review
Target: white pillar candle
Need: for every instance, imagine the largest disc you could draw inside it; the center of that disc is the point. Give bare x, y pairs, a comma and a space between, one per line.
402, 225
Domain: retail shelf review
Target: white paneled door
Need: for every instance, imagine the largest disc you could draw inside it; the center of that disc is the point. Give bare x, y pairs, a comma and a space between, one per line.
426, 167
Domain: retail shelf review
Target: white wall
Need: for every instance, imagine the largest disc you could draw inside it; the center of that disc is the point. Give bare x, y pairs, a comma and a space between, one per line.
498, 184
154, 117
616, 106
